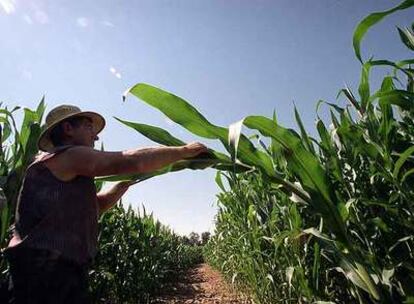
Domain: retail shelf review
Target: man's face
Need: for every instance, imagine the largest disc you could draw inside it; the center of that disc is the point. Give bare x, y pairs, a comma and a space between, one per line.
83, 133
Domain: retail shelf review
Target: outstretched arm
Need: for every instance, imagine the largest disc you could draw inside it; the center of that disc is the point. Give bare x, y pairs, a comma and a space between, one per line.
86, 161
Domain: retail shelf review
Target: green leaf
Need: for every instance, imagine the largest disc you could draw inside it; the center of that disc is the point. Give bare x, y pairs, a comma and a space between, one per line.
197, 163
303, 132
4, 215
401, 160
351, 98
401, 98
316, 264
219, 181
380, 224
163, 137
307, 168
343, 211
40, 110
363, 89
396, 65
7, 130
276, 149
303, 162
407, 174
371, 20
407, 37
178, 110
181, 112
326, 141
156, 134
386, 86
30, 117
31, 148
295, 217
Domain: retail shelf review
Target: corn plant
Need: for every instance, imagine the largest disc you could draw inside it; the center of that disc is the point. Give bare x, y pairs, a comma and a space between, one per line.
18, 146
336, 220
137, 257
260, 245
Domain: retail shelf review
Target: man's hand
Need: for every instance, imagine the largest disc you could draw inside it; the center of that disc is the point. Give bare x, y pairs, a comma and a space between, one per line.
193, 149
123, 186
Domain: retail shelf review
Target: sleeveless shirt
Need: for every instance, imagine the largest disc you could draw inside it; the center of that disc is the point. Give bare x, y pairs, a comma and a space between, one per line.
56, 215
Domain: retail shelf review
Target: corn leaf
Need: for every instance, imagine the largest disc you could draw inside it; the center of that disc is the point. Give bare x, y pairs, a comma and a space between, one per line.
407, 37
192, 164
303, 132
156, 134
401, 160
181, 112
371, 20
304, 163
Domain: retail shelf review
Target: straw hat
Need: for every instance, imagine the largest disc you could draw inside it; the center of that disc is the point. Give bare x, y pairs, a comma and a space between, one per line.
60, 113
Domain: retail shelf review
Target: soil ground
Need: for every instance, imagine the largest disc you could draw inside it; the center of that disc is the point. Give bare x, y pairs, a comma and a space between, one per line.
201, 285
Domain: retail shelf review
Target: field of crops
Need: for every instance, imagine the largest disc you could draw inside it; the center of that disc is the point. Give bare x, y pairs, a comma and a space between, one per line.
314, 220
137, 258
302, 219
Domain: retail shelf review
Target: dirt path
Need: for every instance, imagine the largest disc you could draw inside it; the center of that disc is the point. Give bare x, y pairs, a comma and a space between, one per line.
201, 285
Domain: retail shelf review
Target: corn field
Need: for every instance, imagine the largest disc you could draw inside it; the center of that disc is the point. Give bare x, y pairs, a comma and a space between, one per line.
324, 218
137, 257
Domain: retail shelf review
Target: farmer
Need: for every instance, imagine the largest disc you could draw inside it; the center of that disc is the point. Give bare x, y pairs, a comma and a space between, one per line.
55, 232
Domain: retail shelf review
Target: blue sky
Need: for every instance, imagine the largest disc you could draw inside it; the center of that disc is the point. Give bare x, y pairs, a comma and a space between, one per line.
228, 58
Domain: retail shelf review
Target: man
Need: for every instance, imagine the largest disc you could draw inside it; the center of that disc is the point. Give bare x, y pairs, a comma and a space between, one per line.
55, 232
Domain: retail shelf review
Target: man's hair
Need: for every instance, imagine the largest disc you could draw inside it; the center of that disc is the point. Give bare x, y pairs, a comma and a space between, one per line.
57, 133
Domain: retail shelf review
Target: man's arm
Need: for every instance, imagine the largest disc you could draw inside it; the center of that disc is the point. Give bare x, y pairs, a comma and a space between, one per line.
107, 198
86, 161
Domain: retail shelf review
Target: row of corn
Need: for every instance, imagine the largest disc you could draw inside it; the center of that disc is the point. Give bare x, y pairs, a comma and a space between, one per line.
313, 219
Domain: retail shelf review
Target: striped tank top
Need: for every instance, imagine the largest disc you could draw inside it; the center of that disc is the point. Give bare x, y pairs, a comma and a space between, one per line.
56, 215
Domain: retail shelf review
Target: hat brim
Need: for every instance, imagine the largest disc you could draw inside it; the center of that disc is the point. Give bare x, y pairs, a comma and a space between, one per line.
45, 143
